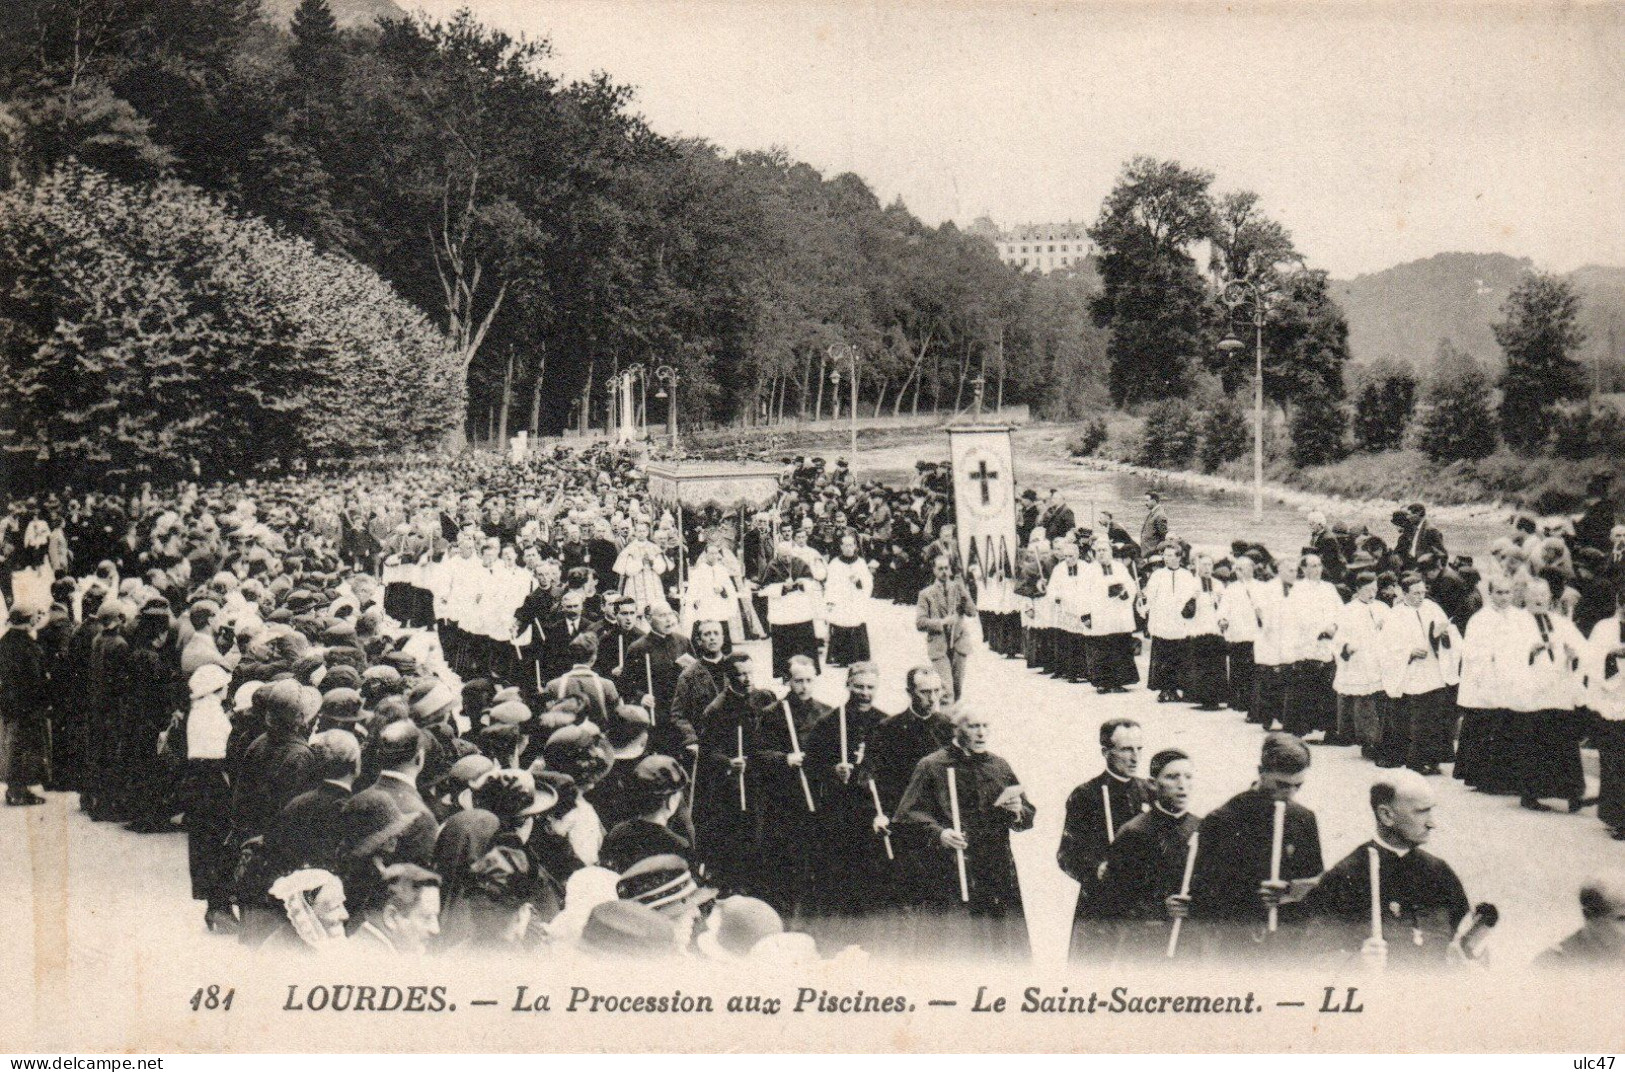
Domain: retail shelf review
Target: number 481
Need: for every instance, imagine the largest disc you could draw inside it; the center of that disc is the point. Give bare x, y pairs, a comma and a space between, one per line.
211, 998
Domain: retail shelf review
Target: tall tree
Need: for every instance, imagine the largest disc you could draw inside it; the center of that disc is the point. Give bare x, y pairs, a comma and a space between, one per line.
1456, 420
1152, 295
1384, 405
1540, 334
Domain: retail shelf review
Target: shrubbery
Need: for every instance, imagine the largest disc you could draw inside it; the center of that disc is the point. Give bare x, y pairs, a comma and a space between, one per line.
1457, 422
1384, 407
1226, 434
1588, 430
1090, 436
1318, 426
144, 327
1171, 434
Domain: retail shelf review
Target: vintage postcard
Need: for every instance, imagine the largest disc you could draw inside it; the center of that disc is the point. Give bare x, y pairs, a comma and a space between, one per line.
812, 526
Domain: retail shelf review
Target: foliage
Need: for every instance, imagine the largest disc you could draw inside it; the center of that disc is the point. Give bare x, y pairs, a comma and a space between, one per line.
1588, 430
1169, 439
1539, 334
1318, 426
1457, 417
1152, 296
1384, 405
148, 326
1227, 433
542, 221
1090, 436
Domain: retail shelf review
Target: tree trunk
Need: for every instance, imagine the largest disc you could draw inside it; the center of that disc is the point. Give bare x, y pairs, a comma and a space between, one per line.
818, 405
536, 395
1000, 402
964, 369
507, 403
586, 400
880, 397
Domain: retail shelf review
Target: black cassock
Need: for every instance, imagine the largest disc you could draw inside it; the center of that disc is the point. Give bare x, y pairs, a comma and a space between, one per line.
725, 841
1143, 868
1085, 836
786, 825
852, 896
1422, 904
992, 923
1233, 859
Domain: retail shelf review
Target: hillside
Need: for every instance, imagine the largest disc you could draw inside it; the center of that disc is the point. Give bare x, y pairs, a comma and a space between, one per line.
348, 13
1403, 312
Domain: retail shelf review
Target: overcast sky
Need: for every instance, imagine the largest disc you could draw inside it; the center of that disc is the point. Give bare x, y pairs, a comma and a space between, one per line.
1378, 133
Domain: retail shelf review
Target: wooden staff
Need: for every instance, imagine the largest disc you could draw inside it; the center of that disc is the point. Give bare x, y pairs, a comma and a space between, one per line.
959, 854
1184, 891
880, 813
1376, 892
1275, 857
739, 732
1111, 829
795, 746
649, 682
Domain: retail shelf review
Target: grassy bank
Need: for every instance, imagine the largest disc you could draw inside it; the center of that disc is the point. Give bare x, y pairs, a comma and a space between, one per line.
1544, 485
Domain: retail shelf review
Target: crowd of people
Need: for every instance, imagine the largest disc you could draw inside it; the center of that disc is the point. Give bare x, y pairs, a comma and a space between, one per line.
465, 703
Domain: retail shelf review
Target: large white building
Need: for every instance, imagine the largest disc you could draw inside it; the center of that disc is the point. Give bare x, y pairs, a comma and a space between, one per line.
1043, 247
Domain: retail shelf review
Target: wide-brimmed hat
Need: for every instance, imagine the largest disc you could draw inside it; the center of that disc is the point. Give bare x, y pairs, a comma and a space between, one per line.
627, 730
627, 929
512, 794
662, 882
737, 924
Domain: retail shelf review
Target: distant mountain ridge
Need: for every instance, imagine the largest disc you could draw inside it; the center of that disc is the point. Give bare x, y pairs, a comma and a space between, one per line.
347, 13
1403, 312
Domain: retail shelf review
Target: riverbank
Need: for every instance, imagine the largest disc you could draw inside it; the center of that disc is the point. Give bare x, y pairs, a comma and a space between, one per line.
1302, 499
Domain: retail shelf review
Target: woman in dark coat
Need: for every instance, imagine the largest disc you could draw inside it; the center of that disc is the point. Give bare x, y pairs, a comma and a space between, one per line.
990, 922
24, 699
1145, 865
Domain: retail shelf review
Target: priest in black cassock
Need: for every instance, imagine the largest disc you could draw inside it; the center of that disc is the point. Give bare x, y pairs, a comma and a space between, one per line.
899, 743
990, 922
851, 873
1145, 867
654, 664
1091, 825
725, 817
1419, 898
786, 811
1231, 891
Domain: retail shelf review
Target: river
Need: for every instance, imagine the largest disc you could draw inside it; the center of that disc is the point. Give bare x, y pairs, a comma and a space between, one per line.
1201, 516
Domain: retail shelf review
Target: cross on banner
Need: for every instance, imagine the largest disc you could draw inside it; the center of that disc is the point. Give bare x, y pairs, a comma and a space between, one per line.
983, 476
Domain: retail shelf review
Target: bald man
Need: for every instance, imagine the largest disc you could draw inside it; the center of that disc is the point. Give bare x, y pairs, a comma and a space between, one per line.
1600, 941
1421, 900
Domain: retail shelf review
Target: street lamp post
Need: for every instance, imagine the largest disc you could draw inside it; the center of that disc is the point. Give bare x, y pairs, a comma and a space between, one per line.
1239, 293
848, 353
634, 375
664, 375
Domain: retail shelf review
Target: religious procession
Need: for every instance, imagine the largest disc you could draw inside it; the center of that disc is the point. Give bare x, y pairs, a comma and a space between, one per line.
482, 703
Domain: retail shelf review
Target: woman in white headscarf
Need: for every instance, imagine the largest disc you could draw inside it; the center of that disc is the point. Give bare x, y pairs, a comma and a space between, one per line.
314, 901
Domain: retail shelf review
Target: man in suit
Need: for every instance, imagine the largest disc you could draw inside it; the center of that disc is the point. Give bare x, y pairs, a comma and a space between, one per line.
1154, 529
306, 833
1417, 539
1057, 519
597, 693
559, 632
941, 613
401, 754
